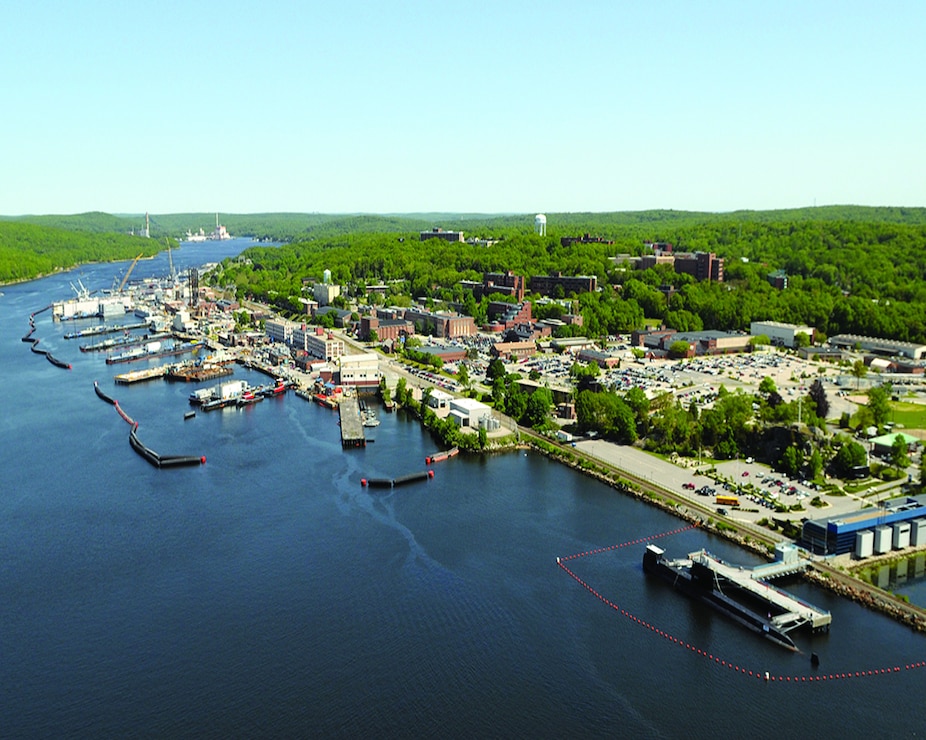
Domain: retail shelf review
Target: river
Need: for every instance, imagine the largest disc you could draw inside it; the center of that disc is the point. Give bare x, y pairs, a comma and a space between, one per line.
267, 593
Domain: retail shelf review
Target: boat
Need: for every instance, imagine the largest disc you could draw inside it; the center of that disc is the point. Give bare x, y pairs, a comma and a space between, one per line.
441, 456
248, 398
151, 351
198, 371
370, 420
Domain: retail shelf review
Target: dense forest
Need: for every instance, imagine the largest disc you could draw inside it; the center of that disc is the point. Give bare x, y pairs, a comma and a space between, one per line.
27, 250
850, 269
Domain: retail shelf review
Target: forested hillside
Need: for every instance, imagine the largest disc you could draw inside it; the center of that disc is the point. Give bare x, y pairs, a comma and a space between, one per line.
27, 250
845, 276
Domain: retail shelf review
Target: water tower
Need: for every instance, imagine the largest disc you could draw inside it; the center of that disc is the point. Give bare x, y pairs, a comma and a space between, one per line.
326, 277
540, 224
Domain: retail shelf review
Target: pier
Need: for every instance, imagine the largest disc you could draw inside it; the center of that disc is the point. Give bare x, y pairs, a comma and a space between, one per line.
794, 611
741, 593
137, 376
351, 425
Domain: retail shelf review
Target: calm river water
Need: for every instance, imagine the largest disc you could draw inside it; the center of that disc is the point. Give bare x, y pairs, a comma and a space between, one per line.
267, 593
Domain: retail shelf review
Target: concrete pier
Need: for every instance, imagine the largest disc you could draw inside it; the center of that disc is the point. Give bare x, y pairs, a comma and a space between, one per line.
351, 426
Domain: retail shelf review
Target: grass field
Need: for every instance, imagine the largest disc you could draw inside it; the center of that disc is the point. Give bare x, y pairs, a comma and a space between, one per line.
911, 415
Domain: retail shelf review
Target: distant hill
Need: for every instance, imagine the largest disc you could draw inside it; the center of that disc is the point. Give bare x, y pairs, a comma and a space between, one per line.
308, 226
29, 250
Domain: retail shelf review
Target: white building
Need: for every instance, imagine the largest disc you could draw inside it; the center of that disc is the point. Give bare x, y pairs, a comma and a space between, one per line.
279, 330
439, 400
360, 371
781, 334
324, 346
325, 293
468, 412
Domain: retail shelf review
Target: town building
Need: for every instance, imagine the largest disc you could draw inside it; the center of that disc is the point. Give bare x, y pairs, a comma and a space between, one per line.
513, 350
700, 265
318, 343
604, 360
508, 314
341, 315
550, 285
386, 329
439, 400
841, 534
360, 371
781, 334
447, 354
878, 346
438, 233
325, 293
279, 330
470, 413
586, 238
441, 324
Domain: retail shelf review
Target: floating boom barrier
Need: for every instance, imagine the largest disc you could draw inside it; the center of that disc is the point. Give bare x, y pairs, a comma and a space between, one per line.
159, 461
27, 337
393, 482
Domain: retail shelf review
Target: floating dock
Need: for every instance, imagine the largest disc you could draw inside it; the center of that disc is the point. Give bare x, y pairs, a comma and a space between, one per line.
742, 593
351, 425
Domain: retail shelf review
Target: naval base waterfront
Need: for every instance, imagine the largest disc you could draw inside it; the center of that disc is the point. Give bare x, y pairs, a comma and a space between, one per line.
268, 593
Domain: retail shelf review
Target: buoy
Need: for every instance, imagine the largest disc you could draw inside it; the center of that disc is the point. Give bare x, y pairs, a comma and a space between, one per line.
427, 460
202, 460
814, 659
430, 474
363, 481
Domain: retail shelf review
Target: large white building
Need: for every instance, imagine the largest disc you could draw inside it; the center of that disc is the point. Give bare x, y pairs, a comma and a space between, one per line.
325, 347
325, 293
279, 330
360, 371
779, 333
468, 412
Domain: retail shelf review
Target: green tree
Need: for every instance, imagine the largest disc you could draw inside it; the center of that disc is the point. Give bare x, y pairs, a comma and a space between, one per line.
899, 457
859, 370
767, 385
538, 407
879, 404
496, 369
850, 455
463, 376
818, 396
815, 464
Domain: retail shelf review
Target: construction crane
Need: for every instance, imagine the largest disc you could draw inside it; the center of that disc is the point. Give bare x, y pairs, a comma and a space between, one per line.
128, 272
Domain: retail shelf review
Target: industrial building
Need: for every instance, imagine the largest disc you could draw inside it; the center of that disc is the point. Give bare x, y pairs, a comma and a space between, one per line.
869, 531
879, 346
779, 333
470, 413
360, 371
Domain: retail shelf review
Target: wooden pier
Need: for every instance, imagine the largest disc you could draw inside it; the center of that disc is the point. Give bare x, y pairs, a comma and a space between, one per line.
351, 425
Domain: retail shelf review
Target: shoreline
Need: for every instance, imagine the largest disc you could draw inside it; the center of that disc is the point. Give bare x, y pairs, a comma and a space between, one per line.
820, 573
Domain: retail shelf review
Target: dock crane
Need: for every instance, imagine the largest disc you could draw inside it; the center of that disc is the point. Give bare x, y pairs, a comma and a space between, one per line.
128, 272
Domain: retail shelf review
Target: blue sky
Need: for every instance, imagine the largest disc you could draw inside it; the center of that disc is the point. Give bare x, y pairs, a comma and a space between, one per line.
492, 107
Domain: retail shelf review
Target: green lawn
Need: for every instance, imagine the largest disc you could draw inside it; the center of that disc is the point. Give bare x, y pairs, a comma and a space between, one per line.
911, 415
